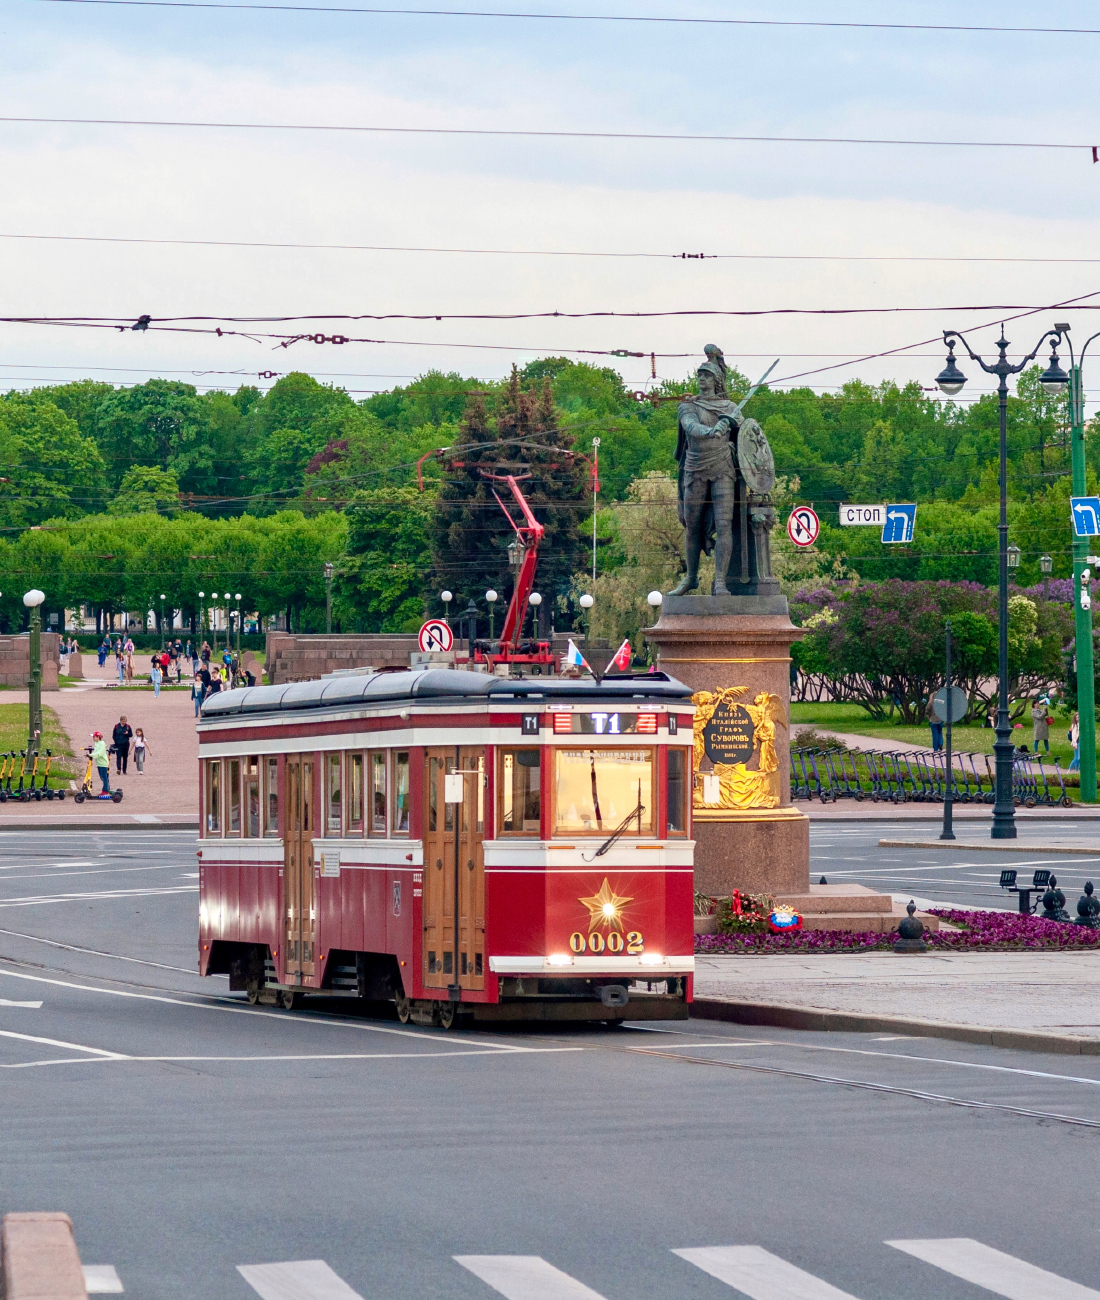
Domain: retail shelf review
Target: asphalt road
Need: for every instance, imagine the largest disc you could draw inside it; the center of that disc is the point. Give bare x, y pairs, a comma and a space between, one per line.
335, 1156
952, 873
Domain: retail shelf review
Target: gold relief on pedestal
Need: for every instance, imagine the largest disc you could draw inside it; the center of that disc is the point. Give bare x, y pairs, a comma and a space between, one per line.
726, 727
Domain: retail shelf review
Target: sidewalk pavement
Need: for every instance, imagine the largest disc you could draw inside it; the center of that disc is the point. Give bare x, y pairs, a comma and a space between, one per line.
1047, 1001
169, 788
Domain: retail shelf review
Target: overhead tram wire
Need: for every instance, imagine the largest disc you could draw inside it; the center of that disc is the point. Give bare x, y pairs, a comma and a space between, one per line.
552, 252
677, 137
651, 19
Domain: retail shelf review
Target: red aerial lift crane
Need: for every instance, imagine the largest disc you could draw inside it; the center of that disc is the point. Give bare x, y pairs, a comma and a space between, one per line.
512, 648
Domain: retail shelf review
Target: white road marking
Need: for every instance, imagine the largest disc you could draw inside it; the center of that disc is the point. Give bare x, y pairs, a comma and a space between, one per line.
212, 1004
526, 1277
57, 1042
4, 1002
35, 900
760, 1274
97, 952
1004, 1275
302, 1279
101, 1279
297, 1056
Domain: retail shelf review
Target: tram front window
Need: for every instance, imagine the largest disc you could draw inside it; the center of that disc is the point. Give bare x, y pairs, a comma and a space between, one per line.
520, 798
598, 790
677, 791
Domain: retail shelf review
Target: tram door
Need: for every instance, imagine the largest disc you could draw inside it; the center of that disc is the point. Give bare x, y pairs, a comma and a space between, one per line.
454, 870
300, 907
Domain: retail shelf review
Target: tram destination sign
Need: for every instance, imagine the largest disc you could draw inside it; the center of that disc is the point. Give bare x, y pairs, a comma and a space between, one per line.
605, 724
728, 734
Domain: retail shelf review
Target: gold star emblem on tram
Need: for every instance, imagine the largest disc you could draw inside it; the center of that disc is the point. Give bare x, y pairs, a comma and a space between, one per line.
605, 907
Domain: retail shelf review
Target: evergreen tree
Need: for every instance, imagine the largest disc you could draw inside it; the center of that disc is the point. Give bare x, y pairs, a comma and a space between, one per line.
470, 534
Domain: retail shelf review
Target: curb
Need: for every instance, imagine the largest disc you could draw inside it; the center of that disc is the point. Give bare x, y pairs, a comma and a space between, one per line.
786, 1016
40, 1259
1076, 850
136, 822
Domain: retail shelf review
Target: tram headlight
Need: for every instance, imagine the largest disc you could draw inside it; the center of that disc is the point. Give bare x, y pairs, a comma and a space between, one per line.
652, 959
559, 959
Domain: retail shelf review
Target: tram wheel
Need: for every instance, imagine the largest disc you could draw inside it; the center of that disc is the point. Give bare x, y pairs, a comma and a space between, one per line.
404, 1008
253, 993
449, 1015
288, 999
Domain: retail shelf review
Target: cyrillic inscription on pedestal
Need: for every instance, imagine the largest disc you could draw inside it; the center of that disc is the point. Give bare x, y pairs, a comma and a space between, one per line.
730, 734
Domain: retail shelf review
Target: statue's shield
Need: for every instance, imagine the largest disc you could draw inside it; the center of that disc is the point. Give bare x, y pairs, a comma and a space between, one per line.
755, 458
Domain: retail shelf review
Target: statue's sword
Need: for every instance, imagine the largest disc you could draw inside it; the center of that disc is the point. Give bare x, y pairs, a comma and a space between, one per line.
739, 407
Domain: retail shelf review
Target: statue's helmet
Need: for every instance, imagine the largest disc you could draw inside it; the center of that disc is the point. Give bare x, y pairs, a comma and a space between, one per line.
719, 374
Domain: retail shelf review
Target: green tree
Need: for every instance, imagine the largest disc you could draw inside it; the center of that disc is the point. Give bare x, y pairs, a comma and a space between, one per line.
49, 469
380, 580
146, 490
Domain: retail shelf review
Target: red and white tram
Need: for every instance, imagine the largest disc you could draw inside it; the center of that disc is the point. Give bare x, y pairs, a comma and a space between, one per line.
466, 845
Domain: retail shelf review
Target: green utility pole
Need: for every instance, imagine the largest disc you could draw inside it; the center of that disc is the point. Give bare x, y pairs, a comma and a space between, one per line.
1086, 704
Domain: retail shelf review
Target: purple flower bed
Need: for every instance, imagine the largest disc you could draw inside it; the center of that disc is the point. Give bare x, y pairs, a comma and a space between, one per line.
1001, 931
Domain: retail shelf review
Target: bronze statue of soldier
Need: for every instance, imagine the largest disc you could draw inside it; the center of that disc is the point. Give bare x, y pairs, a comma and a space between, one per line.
722, 487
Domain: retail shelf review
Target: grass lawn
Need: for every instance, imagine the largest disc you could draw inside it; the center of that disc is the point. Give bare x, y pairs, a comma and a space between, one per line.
13, 737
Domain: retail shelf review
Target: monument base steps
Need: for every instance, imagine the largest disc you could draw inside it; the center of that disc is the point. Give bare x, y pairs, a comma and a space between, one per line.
853, 908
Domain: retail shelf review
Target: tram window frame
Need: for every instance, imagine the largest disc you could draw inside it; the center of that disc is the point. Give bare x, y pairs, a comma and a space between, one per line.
334, 826
401, 764
355, 793
213, 790
271, 797
250, 797
378, 762
232, 797
506, 792
678, 755
650, 832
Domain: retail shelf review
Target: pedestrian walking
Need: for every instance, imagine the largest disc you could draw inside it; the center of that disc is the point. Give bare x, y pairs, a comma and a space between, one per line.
129, 659
155, 674
936, 726
1075, 741
215, 680
196, 693
120, 665
102, 760
103, 651
141, 748
121, 737
1040, 723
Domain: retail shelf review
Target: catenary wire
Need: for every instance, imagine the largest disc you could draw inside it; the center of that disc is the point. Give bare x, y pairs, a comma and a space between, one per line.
654, 19
554, 252
530, 134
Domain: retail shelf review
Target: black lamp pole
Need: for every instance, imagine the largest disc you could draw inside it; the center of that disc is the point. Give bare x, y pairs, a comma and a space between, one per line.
1054, 380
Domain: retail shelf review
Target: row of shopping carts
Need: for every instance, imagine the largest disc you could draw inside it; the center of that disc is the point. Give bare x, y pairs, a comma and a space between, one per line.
920, 776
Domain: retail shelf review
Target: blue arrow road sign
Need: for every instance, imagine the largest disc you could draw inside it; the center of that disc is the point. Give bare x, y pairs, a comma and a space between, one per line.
1085, 512
899, 525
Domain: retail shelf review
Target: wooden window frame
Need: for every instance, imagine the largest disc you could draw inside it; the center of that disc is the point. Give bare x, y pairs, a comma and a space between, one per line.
232, 786
327, 757
247, 779
213, 776
388, 818
349, 766
392, 768
270, 770
685, 754
499, 753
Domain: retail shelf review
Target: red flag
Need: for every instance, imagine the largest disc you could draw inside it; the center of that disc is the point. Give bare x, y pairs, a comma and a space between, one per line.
623, 656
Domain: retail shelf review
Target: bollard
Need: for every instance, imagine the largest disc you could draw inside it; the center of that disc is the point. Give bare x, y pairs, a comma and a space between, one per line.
1054, 903
1088, 908
910, 933
40, 1259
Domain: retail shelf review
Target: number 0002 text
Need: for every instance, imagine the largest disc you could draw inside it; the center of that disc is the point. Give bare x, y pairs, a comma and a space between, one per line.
614, 942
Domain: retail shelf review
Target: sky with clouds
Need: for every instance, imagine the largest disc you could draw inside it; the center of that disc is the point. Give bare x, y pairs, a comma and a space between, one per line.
785, 201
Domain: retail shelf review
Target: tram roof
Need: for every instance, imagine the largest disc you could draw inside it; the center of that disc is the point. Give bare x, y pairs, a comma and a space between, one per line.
444, 686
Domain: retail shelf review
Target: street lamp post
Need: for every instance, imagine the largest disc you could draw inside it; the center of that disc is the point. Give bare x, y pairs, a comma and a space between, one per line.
491, 599
446, 597
534, 600
1082, 611
237, 598
330, 569
586, 602
655, 599
202, 615
33, 601
470, 614
163, 634
1054, 380
1046, 566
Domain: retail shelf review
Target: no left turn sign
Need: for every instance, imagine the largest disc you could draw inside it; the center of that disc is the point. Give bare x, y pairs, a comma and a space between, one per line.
435, 635
803, 526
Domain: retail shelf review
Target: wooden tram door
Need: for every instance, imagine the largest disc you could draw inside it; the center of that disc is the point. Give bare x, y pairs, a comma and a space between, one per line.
454, 867
300, 905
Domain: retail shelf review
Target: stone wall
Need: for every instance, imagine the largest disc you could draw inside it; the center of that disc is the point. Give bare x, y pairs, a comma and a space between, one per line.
15, 660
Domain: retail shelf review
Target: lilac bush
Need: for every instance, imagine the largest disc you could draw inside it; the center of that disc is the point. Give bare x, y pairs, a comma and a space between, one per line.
979, 931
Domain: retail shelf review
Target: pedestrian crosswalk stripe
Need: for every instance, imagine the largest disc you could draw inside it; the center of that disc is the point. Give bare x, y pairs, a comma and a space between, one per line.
301, 1279
526, 1277
101, 1279
1002, 1274
760, 1274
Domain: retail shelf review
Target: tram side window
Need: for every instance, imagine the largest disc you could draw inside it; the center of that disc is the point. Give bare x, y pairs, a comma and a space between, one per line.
401, 793
677, 791
333, 795
252, 797
233, 796
378, 792
355, 793
213, 796
520, 799
271, 796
